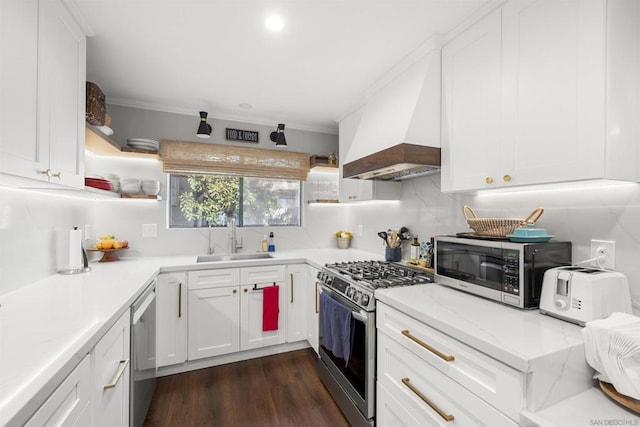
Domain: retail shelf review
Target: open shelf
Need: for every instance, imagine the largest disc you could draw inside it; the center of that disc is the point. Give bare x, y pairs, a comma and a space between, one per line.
110, 194
316, 161
99, 143
323, 201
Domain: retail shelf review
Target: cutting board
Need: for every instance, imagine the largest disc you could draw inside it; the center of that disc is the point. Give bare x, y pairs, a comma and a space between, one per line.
419, 267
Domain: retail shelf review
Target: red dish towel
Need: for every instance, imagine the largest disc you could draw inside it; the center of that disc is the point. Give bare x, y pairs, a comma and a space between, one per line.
270, 308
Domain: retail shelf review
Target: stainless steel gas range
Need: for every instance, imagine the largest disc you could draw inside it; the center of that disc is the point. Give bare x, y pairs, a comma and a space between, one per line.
348, 330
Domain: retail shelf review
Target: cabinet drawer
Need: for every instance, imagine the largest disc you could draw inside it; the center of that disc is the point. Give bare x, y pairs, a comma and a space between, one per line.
413, 381
262, 274
222, 277
69, 404
494, 382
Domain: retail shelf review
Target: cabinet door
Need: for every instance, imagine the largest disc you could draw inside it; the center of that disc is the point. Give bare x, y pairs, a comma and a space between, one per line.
61, 93
214, 322
313, 310
389, 412
69, 404
251, 303
20, 151
471, 104
110, 397
172, 318
297, 298
553, 60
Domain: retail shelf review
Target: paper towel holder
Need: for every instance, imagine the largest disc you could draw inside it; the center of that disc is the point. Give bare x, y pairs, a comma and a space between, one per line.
84, 269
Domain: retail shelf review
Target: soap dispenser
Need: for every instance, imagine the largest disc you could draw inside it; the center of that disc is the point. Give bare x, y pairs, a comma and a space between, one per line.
272, 245
265, 243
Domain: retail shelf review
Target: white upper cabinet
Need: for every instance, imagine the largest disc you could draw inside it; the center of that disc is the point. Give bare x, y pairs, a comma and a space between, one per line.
43, 93
534, 93
471, 105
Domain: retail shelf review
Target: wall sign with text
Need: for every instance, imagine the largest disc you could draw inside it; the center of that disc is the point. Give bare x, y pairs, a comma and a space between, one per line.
241, 135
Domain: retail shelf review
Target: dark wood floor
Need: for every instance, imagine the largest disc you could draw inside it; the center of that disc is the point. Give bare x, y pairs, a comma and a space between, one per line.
279, 390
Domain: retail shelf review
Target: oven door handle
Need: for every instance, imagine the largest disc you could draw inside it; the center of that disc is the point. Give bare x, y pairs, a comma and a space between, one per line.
359, 316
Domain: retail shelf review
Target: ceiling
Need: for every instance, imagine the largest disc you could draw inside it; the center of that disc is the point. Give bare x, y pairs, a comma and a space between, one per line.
185, 55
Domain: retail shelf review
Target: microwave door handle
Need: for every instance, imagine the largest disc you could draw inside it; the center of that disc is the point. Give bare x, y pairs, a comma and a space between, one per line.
532, 291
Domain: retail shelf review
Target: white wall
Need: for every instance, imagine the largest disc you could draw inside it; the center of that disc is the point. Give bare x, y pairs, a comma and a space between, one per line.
34, 233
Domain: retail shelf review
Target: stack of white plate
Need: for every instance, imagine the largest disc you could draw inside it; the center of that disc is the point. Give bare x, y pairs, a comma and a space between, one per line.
151, 187
129, 185
114, 180
143, 144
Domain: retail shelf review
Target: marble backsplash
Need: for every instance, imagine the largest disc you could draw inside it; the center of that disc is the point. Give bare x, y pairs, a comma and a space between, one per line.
34, 225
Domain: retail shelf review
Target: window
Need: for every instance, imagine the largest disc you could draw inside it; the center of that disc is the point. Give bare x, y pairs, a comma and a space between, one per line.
201, 200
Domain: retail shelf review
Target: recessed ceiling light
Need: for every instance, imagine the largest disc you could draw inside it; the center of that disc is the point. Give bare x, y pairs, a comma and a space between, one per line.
274, 23
245, 106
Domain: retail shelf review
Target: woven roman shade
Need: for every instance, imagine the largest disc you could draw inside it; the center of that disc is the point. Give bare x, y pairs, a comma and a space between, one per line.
183, 157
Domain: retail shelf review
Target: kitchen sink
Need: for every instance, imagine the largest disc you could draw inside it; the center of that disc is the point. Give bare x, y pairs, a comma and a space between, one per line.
232, 257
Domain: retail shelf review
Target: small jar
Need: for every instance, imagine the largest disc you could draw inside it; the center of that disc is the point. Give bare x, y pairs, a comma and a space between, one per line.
332, 159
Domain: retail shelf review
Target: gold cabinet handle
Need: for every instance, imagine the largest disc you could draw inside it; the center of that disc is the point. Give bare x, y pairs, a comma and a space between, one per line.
180, 299
446, 417
57, 175
291, 284
446, 358
46, 172
317, 309
488, 180
116, 378
506, 178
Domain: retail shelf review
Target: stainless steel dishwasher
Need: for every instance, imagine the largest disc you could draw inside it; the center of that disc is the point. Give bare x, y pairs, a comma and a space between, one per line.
143, 355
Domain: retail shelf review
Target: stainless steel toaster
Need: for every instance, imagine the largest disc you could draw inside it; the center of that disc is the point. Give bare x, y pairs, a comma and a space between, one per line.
581, 294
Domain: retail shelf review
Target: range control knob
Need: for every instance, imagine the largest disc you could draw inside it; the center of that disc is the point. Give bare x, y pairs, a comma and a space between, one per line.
357, 297
350, 292
365, 299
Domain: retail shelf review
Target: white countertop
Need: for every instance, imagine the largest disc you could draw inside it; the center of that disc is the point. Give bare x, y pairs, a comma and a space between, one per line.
525, 340
515, 337
47, 327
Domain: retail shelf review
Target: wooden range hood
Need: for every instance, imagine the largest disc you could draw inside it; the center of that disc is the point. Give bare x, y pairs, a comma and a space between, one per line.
395, 163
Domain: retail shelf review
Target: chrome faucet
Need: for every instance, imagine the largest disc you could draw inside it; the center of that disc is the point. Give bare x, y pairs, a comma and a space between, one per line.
232, 240
210, 248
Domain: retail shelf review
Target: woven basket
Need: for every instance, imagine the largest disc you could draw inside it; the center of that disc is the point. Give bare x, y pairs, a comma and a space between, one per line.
497, 227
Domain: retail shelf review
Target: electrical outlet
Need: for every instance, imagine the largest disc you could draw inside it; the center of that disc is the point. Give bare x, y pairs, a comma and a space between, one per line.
149, 230
606, 251
360, 230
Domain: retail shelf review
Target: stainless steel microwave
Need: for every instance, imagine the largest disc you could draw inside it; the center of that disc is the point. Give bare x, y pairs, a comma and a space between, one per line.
500, 270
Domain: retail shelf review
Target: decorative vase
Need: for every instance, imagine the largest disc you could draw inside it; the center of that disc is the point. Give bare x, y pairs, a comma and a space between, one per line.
343, 242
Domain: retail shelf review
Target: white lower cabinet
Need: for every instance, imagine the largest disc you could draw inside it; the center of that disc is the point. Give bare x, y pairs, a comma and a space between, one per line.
214, 320
171, 290
70, 404
390, 412
111, 367
436, 379
298, 288
251, 306
428, 395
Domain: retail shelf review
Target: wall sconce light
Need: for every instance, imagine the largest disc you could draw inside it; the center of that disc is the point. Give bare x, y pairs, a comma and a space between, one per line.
278, 136
204, 129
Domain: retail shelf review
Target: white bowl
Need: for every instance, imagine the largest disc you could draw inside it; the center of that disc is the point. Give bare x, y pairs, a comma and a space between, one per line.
150, 191
150, 182
130, 189
124, 181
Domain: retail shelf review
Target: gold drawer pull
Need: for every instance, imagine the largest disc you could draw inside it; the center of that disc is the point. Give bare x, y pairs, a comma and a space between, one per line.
506, 178
116, 378
433, 406
444, 357
488, 180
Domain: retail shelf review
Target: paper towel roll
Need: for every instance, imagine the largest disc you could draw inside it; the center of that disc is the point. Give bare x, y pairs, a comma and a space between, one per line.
75, 248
